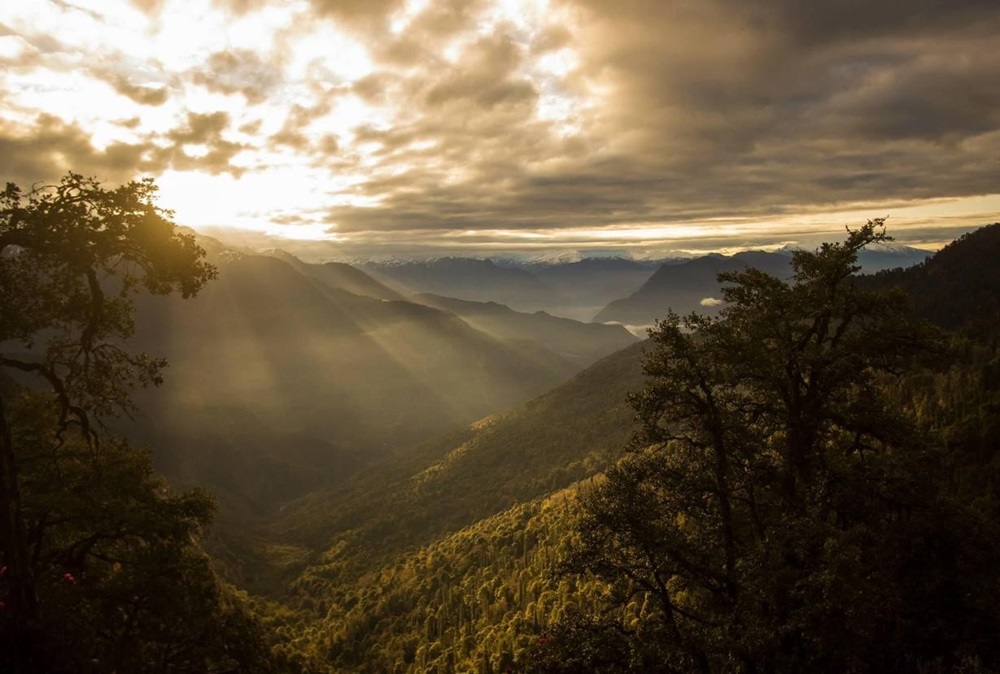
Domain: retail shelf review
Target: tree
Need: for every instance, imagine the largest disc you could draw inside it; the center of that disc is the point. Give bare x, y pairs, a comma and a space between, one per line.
777, 509
121, 584
72, 255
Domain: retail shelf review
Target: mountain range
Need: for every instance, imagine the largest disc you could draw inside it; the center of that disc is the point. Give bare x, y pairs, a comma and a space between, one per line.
286, 376
440, 557
601, 289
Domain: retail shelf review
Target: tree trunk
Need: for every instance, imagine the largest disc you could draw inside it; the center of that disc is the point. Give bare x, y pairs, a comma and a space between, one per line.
19, 619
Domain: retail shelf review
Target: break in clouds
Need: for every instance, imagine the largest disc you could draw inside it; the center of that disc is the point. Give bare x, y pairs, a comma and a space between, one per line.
506, 123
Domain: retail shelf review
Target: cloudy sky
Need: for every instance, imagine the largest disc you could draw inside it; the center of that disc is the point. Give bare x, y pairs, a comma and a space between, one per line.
489, 126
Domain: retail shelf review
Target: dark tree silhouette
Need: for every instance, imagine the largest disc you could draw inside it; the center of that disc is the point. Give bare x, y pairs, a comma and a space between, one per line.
778, 512
71, 257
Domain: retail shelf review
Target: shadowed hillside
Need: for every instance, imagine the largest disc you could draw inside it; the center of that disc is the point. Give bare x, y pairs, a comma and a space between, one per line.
580, 343
683, 287
281, 383
442, 558
447, 483
950, 288
468, 279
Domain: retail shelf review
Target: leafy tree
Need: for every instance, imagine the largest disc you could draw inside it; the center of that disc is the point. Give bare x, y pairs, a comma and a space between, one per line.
72, 255
120, 584
777, 512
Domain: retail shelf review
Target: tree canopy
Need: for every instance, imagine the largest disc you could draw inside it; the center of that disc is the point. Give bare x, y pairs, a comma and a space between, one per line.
778, 512
72, 256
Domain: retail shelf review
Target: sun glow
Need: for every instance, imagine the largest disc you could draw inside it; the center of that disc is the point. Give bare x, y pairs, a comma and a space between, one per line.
312, 232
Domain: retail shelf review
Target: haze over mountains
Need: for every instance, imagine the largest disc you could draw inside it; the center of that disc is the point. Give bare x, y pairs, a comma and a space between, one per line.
574, 430
601, 289
287, 376
424, 532
400, 474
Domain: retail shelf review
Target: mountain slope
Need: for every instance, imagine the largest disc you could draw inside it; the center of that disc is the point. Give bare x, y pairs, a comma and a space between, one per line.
474, 600
442, 558
477, 471
280, 383
889, 256
950, 288
341, 276
683, 287
580, 343
468, 279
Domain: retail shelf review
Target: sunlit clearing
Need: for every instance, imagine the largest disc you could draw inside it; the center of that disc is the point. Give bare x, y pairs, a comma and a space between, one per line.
559, 63
258, 29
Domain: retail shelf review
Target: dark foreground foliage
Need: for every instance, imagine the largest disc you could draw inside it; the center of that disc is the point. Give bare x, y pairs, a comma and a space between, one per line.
781, 510
122, 585
99, 565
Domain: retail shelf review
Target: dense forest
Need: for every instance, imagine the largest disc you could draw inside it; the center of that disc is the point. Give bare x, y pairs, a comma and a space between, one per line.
807, 481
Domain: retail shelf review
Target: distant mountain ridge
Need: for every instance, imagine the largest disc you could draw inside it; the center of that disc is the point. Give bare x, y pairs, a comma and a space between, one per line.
684, 287
479, 280
590, 288
340, 275
580, 343
281, 382
454, 541
692, 285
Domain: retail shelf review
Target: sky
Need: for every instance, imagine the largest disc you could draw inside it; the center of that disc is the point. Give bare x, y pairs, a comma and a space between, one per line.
348, 128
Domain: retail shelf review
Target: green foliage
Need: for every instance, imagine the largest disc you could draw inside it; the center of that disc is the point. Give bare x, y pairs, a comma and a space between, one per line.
777, 509
953, 289
429, 529
877, 556
121, 583
472, 601
71, 257
100, 570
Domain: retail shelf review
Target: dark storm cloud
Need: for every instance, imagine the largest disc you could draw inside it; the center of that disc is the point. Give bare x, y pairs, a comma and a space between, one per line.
706, 109
485, 79
664, 110
53, 147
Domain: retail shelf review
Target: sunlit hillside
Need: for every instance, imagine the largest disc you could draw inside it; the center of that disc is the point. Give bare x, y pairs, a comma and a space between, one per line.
282, 381
447, 557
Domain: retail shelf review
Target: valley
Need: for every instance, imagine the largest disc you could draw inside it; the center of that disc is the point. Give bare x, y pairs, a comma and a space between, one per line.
499, 337
403, 478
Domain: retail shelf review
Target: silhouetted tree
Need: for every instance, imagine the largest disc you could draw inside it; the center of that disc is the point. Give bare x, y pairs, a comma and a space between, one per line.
776, 511
71, 257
